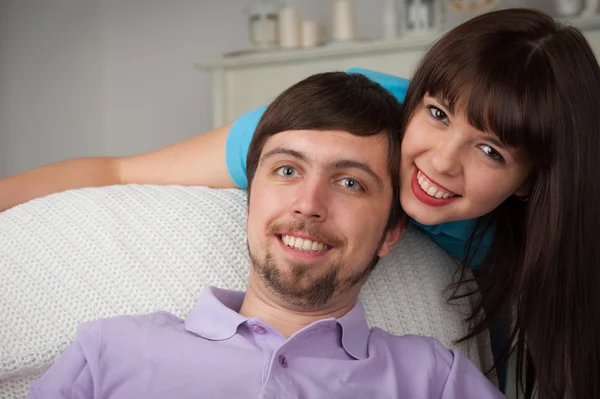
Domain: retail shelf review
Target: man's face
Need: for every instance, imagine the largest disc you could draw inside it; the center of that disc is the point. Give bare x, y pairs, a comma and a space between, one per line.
317, 213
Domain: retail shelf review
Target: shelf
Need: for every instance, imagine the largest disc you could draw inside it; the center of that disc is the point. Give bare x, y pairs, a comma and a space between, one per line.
329, 50
332, 50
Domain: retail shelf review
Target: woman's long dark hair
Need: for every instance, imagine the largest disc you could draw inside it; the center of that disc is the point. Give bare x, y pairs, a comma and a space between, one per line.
535, 83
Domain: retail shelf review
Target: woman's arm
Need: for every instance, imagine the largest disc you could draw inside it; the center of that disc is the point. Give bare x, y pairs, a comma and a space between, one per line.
199, 160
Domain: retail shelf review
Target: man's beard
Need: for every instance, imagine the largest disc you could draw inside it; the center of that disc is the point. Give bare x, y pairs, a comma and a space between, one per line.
293, 288
299, 287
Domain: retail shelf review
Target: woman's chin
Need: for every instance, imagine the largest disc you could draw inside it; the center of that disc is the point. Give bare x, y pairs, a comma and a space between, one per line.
426, 215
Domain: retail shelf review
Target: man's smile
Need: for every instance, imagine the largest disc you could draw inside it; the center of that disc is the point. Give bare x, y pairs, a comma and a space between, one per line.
303, 244
300, 248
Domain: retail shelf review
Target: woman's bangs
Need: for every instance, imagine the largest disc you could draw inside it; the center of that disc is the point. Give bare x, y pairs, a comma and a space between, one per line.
510, 104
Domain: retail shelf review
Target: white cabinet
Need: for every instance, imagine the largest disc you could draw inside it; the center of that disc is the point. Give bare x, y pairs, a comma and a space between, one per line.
243, 82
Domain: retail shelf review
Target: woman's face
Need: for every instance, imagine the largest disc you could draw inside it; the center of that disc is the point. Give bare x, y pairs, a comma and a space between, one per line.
451, 171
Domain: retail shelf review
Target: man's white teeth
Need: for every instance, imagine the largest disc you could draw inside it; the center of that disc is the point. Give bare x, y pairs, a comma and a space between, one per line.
303, 244
430, 188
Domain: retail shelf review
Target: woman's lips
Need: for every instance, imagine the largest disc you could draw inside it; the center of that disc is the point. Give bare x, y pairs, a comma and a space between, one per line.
426, 198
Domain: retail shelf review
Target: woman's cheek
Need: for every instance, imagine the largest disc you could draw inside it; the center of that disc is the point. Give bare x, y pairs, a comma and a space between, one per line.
410, 146
490, 188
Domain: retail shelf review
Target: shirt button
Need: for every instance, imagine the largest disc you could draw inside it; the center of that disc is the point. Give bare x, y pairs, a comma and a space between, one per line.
259, 329
283, 361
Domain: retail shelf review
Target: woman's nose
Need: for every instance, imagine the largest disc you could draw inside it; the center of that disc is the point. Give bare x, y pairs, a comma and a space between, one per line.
446, 159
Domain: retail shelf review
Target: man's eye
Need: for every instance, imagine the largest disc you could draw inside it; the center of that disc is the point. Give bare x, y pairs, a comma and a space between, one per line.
351, 184
287, 171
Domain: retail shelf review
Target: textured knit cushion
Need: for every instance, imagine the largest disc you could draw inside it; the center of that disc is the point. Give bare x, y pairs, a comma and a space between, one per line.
85, 254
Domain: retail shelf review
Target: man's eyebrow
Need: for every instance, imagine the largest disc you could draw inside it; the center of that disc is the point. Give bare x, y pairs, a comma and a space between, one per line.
285, 151
339, 164
352, 164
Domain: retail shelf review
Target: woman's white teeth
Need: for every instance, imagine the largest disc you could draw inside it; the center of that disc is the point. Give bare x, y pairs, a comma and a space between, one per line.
430, 188
303, 244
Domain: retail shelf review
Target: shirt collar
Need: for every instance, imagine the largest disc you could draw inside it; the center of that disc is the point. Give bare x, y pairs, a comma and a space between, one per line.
215, 317
355, 332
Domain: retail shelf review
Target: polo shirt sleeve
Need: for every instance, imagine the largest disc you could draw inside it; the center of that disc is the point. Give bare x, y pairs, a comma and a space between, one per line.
242, 129
70, 376
462, 378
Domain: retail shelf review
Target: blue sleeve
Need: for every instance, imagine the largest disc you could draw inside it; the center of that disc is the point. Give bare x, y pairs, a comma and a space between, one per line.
238, 142
394, 84
241, 131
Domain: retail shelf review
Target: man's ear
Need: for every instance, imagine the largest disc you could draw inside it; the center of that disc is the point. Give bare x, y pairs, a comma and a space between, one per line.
392, 237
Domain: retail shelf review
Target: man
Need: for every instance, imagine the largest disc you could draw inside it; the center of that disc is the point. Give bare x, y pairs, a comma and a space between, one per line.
322, 208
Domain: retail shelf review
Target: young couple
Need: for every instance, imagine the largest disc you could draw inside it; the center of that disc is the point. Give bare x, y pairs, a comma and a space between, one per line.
499, 135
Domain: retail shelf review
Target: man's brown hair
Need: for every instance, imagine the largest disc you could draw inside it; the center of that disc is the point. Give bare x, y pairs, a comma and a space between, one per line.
335, 101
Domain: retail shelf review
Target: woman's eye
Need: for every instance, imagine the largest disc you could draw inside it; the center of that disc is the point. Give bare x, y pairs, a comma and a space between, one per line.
287, 171
491, 153
438, 114
351, 183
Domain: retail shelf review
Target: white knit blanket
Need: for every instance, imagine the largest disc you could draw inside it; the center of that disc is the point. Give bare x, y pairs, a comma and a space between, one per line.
85, 254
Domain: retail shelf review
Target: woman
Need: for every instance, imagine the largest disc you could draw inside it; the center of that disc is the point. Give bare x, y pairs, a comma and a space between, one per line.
498, 167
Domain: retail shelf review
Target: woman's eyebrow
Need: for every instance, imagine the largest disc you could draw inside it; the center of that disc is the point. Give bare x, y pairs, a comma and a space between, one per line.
495, 141
444, 104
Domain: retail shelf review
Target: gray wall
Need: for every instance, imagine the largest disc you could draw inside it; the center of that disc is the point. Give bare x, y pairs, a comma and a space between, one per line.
117, 77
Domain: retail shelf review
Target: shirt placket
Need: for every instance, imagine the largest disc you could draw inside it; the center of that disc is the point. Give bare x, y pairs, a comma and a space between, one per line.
276, 382
269, 342
275, 364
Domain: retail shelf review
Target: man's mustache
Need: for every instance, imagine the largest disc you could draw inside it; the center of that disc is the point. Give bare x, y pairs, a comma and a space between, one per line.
313, 229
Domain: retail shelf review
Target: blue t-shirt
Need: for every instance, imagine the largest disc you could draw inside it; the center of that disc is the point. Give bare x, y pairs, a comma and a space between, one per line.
451, 236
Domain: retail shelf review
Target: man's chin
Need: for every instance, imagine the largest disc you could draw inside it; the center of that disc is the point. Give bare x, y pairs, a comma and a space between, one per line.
302, 284
304, 302
299, 289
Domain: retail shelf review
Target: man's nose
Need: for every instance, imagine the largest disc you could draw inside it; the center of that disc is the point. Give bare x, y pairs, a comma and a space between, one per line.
446, 158
311, 200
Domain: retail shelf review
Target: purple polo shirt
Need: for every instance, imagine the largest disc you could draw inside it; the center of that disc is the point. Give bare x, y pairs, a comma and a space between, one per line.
217, 353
